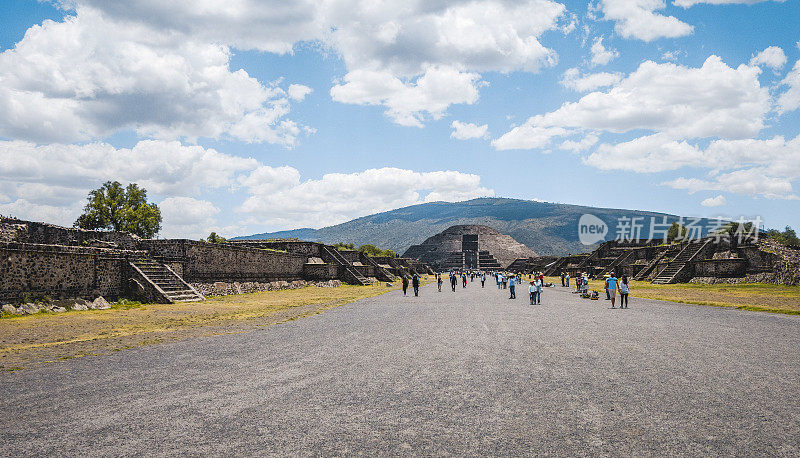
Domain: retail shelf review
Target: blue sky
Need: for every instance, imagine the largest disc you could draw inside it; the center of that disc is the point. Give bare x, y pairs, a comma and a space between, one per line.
249, 116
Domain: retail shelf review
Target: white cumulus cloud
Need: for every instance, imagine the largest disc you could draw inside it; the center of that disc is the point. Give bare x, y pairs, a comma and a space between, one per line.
600, 54
790, 100
465, 131
186, 217
298, 92
772, 57
688, 3
681, 102
717, 201
90, 76
409, 103
639, 19
339, 197
572, 79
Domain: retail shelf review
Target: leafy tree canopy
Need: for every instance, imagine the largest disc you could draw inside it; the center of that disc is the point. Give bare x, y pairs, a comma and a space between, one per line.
372, 250
112, 207
676, 232
787, 237
214, 238
368, 249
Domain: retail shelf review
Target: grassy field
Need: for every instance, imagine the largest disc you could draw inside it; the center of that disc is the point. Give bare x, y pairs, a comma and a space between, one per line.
26, 341
746, 296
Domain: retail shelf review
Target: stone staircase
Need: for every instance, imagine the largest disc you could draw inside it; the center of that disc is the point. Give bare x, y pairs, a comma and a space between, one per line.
678, 267
618, 262
351, 275
647, 269
381, 273
487, 261
167, 283
555, 267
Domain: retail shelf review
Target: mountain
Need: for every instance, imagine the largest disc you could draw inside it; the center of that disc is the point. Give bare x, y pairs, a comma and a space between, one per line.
546, 228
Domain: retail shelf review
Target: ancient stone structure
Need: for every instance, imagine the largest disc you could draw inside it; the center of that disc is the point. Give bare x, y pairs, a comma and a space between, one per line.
469, 247
710, 259
43, 260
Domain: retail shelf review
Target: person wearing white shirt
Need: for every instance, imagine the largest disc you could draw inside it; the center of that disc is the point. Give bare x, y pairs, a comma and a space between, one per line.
536, 285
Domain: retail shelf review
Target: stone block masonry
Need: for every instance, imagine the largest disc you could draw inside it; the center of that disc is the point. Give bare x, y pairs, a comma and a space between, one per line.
60, 272
14, 230
39, 260
210, 262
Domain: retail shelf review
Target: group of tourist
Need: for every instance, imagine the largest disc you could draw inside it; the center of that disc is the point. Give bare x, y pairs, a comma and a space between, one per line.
611, 285
510, 280
414, 284
506, 280
457, 275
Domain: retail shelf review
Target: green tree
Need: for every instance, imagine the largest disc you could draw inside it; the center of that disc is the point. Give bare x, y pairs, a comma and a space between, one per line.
370, 250
344, 246
735, 230
676, 232
214, 238
787, 237
373, 251
113, 207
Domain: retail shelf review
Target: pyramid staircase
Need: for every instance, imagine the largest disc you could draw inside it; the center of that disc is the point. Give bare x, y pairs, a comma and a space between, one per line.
619, 261
169, 285
646, 270
487, 261
555, 267
679, 266
351, 275
381, 273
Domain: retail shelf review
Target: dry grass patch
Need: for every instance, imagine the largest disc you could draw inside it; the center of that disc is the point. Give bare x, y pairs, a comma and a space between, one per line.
26, 341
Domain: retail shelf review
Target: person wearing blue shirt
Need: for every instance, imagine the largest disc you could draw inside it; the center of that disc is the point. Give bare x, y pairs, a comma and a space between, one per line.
611, 288
511, 283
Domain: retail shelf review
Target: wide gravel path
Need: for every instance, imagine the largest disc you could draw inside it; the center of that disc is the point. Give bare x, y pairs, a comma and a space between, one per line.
469, 372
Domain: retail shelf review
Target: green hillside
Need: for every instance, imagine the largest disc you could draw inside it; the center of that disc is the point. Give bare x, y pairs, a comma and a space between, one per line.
547, 228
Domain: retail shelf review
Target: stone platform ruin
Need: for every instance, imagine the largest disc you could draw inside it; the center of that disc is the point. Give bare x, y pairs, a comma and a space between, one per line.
711, 259
468, 247
43, 260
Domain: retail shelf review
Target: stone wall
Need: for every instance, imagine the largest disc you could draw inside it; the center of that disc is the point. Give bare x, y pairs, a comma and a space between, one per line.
290, 246
733, 267
60, 271
320, 271
209, 262
13, 230
225, 288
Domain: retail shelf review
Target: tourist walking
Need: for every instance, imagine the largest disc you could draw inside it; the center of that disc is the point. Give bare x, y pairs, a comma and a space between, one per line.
505, 281
415, 284
562, 279
499, 281
511, 283
532, 292
453, 281
624, 289
464, 280
566, 278
611, 288
536, 284
405, 285
439, 282
483, 280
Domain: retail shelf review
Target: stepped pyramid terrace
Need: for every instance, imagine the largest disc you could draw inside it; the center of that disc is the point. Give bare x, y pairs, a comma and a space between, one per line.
469, 247
710, 259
